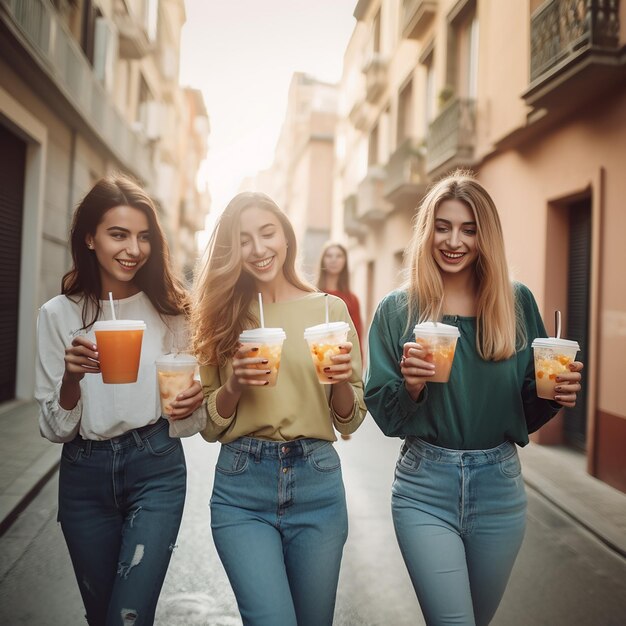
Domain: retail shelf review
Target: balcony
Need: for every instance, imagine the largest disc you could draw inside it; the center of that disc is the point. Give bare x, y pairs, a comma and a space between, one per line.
58, 70
406, 178
133, 38
351, 225
574, 52
375, 70
371, 207
452, 136
417, 15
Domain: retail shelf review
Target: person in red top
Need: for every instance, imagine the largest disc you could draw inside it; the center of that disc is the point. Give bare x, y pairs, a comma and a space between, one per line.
334, 278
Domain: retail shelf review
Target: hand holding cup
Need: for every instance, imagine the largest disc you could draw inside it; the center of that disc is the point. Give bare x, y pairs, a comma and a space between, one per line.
186, 402
415, 369
81, 358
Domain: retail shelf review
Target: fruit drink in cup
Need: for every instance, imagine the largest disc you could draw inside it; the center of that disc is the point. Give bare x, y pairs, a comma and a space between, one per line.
175, 373
552, 357
324, 342
119, 348
439, 341
264, 343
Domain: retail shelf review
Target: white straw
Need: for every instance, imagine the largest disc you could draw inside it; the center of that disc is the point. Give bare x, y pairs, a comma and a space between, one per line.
326, 305
557, 321
261, 310
112, 307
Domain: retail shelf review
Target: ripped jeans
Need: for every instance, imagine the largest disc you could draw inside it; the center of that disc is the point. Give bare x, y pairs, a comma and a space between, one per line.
120, 507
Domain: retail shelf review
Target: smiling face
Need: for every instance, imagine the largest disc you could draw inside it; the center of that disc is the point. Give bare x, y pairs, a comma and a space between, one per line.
454, 244
263, 245
121, 244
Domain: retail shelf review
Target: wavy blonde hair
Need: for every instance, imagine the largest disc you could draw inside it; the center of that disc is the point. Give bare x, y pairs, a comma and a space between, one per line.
223, 292
500, 329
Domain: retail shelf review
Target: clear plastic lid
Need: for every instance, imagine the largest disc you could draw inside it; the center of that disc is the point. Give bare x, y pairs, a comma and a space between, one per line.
176, 360
436, 328
323, 330
119, 325
262, 335
553, 342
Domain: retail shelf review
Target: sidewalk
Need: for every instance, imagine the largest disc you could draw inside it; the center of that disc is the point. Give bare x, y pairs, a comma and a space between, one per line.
557, 473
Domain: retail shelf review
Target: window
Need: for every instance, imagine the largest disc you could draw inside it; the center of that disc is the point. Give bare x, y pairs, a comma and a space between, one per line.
429, 110
463, 51
372, 150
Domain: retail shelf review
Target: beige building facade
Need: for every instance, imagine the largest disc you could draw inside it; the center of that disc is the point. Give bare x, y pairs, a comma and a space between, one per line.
300, 179
86, 87
531, 96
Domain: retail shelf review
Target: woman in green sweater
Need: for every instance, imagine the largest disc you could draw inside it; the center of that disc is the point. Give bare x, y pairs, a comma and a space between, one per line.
458, 499
278, 508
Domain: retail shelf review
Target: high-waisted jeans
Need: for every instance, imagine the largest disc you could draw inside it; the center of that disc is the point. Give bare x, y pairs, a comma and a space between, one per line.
459, 517
279, 521
120, 506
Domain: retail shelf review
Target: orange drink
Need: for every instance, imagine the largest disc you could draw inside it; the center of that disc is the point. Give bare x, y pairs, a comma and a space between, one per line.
119, 347
552, 357
439, 342
324, 341
264, 343
175, 374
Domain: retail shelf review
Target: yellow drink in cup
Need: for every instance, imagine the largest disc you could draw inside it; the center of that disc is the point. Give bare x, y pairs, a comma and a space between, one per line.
439, 341
324, 341
119, 345
552, 357
269, 345
175, 374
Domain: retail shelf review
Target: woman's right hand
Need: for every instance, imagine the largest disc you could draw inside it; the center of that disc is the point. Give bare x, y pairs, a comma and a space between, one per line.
415, 369
246, 371
81, 358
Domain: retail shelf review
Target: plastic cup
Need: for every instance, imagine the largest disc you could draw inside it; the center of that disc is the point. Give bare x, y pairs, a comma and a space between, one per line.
439, 341
552, 357
269, 344
119, 347
175, 374
324, 341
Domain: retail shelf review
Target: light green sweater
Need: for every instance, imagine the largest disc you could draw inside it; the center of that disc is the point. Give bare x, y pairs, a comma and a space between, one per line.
298, 406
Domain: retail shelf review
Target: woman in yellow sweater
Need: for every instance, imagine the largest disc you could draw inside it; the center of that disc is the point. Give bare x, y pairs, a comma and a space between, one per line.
278, 510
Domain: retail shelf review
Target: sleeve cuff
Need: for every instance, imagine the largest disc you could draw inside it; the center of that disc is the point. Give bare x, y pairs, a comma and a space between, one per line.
406, 403
216, 418
191, 425
347, 425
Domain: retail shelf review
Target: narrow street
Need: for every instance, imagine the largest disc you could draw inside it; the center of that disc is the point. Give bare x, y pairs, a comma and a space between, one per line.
563, 576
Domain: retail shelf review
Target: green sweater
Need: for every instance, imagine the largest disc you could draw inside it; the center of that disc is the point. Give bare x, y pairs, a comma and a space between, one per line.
484, 404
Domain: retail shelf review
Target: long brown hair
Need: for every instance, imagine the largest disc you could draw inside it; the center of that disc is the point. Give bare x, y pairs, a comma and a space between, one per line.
164, 290
222, 291
343, 281
500, 327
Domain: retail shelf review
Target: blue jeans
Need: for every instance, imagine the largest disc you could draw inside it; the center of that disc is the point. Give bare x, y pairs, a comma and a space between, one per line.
120, 507
279, 521
459, 517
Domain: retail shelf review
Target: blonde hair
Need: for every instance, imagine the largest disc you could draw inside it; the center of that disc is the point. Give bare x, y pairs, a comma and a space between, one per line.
223, 292
500, 328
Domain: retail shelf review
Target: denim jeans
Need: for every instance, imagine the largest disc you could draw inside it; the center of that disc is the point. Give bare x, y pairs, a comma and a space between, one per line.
120, 507
279, 522
459, 517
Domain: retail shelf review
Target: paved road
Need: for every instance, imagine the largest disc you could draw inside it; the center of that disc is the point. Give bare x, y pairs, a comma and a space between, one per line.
563, 577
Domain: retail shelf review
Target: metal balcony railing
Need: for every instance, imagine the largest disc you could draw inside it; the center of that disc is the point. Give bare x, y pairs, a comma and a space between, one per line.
375, 70
61, 58
452, 135
559, 28
405, 171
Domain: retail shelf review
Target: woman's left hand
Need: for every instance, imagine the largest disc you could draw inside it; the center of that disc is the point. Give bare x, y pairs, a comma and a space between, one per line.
568, 385
341, 370
187, 402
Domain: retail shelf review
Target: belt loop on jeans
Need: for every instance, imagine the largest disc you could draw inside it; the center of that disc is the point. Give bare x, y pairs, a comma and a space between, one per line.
138, 440
87, 449
258, 448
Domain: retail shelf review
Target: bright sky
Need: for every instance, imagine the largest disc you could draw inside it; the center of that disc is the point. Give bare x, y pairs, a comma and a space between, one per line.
241, 54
